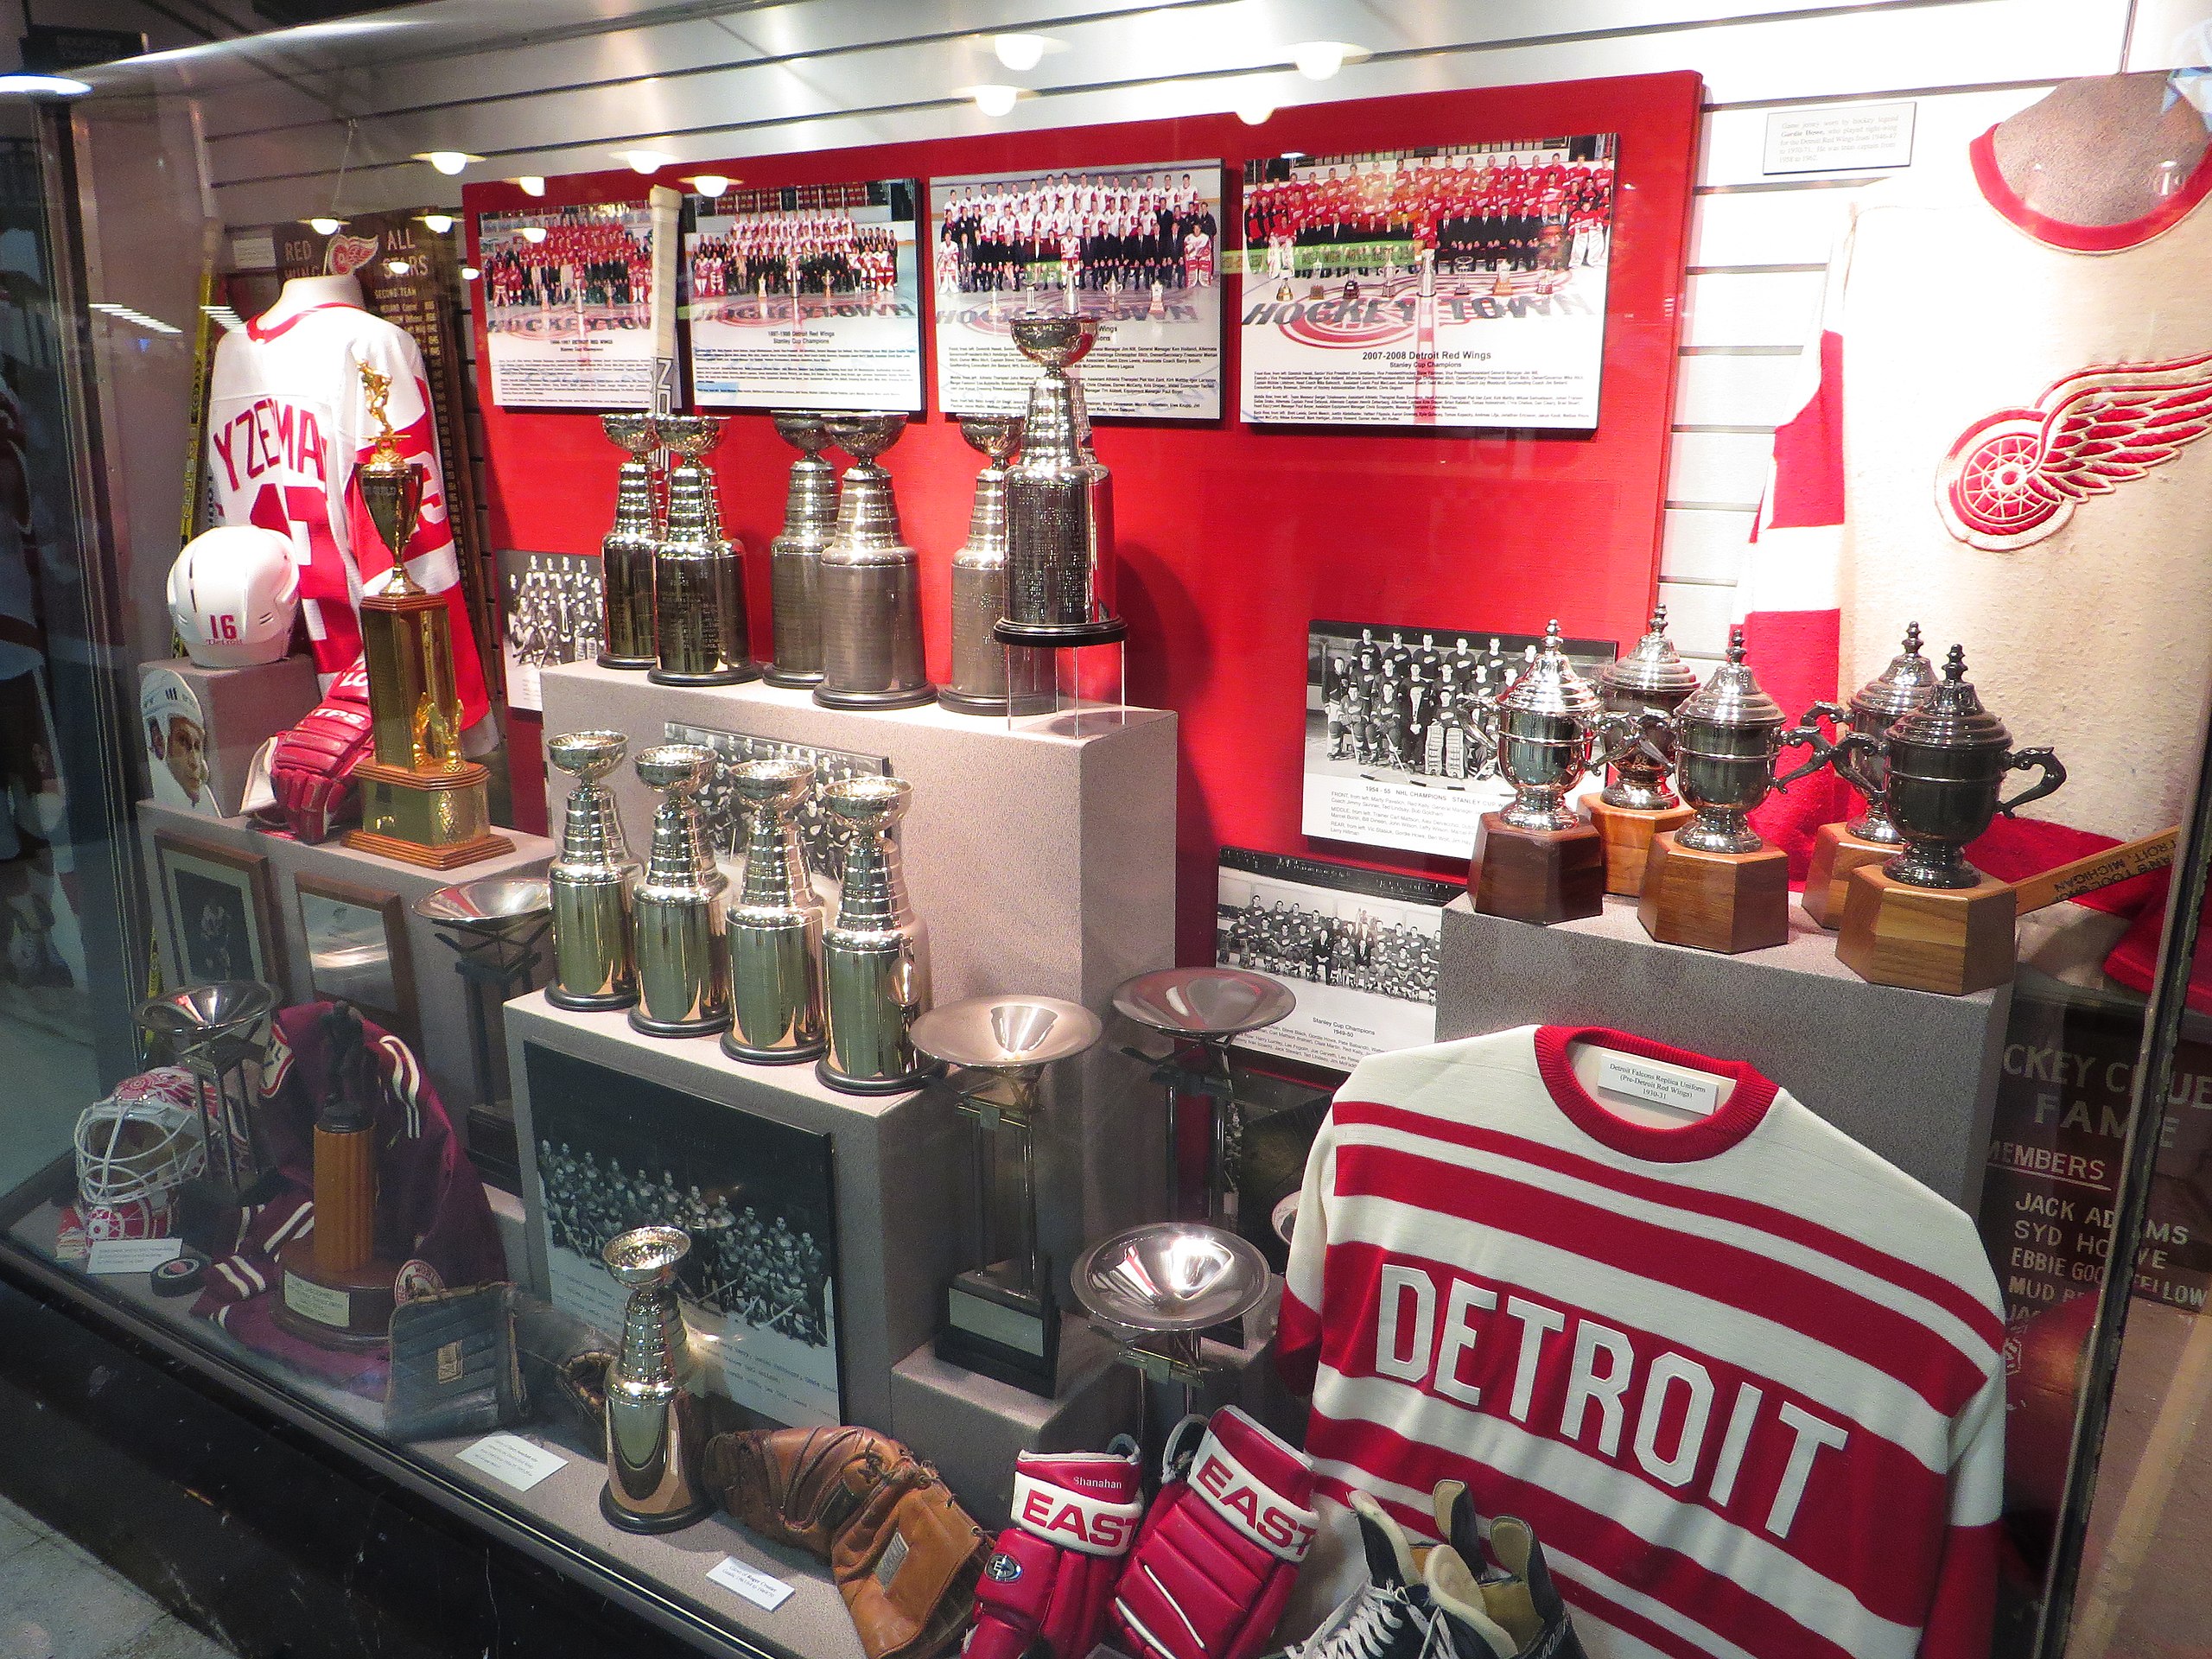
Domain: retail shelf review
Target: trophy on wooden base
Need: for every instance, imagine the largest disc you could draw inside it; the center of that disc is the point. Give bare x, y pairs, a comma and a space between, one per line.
1540, 862
1927, 919
421, 802
1714, 884
1870, 838
1640, 692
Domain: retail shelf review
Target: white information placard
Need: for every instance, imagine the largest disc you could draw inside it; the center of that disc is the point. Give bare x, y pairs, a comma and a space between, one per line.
1850, 139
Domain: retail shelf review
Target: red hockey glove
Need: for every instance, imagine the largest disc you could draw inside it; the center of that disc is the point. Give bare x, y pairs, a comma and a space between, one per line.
312, 767
1219, 1551
1075, 1514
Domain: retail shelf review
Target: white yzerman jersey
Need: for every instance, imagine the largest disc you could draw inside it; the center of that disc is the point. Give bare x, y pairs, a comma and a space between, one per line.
287, 422
2000, 438
1743, 1377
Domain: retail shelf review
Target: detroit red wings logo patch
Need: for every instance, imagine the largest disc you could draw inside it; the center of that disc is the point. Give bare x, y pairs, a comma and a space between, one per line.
347, 254
2016, 476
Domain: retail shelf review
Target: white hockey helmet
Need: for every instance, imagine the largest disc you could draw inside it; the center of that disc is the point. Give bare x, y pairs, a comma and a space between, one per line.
233, 593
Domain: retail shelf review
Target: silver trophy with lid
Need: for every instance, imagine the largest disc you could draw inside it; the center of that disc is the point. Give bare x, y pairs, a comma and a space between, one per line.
1871, 837
1540, 862
978, 683
1059, 502
1641, 691
683, 960
593, 880
875, 958
871, 583
775, 925
698, 572
627, 552
656, 1427
795, 556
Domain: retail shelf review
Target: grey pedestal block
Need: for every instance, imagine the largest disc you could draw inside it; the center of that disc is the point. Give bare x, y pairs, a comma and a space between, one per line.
241, 710
1910, 1075
443, 1040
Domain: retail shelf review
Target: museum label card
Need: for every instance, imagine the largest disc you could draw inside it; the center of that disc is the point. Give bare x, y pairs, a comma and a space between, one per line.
511, 1461
133, 1254
1838, 140
754, 1585
1656, 1084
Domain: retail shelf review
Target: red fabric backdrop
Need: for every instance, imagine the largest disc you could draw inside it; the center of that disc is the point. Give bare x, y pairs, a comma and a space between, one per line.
1233, 537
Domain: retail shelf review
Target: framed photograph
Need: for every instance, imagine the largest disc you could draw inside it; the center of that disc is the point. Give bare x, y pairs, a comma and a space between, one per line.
724, 814
552, 610
358, 949
566, 293
607, 1151
222, 913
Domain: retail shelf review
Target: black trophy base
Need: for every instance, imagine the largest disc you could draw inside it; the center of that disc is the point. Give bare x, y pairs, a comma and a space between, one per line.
792, 679
737, 675
960, 703
738, 1051
636, 664
652, 1027
904, 696
592, 1002
1106, 631
676, 1521
1026, 1351
844, 1085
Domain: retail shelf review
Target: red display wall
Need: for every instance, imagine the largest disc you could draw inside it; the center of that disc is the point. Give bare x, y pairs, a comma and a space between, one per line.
1233, 537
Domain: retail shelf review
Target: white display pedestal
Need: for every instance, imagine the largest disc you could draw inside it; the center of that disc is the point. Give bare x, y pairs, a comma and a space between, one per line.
1910, 1075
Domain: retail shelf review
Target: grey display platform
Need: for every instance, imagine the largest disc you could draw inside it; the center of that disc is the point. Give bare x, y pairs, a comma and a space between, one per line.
241, 709
443, 1040
1911, 1076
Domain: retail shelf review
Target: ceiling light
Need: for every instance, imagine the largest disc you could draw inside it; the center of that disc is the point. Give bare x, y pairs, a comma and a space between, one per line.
645, 160
1255, 115
531, 184
533, 233
1319, 60
53, 86
709, 184
439, 223
1021, 53
995, 100
469, 273
325, 225
448, 162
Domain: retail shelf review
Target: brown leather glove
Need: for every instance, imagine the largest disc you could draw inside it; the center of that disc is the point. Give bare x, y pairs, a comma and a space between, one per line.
904, 1554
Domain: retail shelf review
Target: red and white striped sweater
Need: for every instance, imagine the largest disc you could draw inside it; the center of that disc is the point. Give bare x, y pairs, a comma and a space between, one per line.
1743, 1376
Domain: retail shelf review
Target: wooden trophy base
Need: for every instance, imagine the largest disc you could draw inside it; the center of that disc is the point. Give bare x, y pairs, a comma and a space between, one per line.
1627, 831
1540, 875
1728, 902
1836, 853
437, 820
334, 1310
1950, 940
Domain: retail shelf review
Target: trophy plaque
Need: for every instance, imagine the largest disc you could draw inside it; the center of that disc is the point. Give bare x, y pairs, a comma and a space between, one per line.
795, 556
699, 626
421, 802
871, 583
1640, 692
875, 961
656, 1428
625, 555
1927, 919
593, 881
683, 955
1001, 1317
494, 926
1540, 862
218, 1032
1059, 502
1870, 838
775, 925
1714, 885
978, 685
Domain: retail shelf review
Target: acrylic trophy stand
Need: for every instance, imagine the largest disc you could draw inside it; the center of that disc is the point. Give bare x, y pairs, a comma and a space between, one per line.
495, 927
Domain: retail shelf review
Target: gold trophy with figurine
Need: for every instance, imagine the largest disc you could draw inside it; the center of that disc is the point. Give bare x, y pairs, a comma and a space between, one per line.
421, 802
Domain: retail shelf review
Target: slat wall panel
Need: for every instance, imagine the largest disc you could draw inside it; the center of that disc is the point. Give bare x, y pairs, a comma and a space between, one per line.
1737, 389
1759, 308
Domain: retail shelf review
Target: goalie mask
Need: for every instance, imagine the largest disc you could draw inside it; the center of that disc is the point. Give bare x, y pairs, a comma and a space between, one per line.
234, 592
134, 1150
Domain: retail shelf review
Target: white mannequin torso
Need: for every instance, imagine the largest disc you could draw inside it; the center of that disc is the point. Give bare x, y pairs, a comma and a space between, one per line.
304, 293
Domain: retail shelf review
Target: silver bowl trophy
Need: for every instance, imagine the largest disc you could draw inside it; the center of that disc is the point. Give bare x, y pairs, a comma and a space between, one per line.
1059, 502
698, 572
495, 926
871, 583
626, 553
1001, 1316
682, 959
978, 685
775, 924
1927, 918
795, 556
1714, 884
218, 1032
1540, 862
1640, 692
593, 881
656, 1428
1870, 838
875, 960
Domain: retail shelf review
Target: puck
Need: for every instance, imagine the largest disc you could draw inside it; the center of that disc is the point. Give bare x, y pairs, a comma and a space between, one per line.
180, 1274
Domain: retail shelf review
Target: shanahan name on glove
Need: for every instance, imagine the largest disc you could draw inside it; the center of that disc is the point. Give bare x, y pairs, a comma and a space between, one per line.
1053, 1573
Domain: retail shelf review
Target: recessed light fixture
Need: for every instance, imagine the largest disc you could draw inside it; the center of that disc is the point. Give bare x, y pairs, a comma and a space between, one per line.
1256, 114
1320, 60
439, 224
531, 184
994, 100
533, 233
469, 273
709, 184
448, 162
51, 85
1022, 52
643, 160
323, 225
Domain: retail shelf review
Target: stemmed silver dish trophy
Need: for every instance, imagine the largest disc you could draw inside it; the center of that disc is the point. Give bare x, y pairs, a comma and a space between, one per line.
218, 1032
875, 958
655, 1430
495, 926
698, 572
775, 925
795, 556
683, 966
593, 881
626, 553
871, 583
1001, 1317
978, 685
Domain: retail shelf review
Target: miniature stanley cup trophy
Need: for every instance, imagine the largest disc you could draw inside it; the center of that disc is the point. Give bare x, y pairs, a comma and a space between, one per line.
871, 583
1540, 862
775, 926
795, 556
1640, 692
1059, 502
656, 1427
1001, 1318
1927, 919
683, 960
421, 802
626, 554
1870, 838
978, 683
699, 626
875, 961
593, 881
1714, 884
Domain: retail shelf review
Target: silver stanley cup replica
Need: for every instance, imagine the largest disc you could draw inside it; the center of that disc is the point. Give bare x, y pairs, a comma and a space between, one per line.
1640, 692
1546, 723
795, 556
1059, 502
1726, 737
978, 683
593, 881
698, 574
683, 966
775, 926
875, 960
871, 583
1903, 686
655, 1428
626, 553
